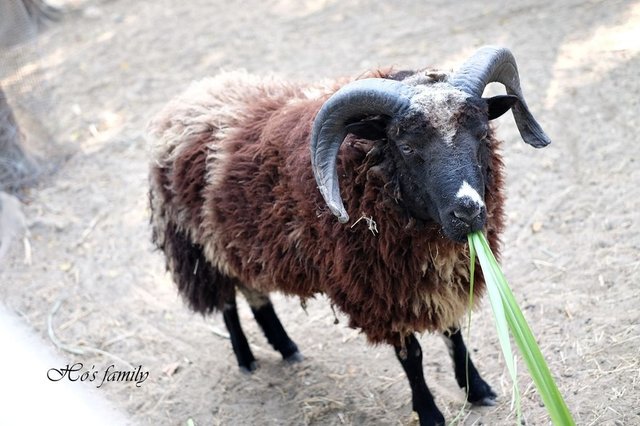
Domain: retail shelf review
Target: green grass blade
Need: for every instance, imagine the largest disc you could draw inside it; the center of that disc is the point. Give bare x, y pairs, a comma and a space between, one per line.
472, 274
502, 327
521, 332
472, 268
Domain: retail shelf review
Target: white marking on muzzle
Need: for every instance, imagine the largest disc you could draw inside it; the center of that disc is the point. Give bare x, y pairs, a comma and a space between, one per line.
466, 191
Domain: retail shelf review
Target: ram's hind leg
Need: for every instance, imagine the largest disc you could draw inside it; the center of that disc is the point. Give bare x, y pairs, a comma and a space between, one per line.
266, 317
203, 286
246, 360
479, 392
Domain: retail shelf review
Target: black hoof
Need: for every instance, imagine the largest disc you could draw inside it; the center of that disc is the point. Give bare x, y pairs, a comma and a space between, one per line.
433, 418
249, 368
294, 358
486, 402
481, 394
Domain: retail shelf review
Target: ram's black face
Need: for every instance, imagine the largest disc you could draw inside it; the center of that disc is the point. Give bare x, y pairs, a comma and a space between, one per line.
442, 177
441, 157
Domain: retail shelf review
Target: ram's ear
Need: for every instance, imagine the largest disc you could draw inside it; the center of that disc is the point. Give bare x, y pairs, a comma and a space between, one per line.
372, 128
498, 105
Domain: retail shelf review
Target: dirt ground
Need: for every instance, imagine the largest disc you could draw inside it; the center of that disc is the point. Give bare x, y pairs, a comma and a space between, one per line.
572, 248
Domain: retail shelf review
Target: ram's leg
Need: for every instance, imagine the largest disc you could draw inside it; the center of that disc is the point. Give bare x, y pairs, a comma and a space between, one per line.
271, 326
246, 360
479, 392
410, 356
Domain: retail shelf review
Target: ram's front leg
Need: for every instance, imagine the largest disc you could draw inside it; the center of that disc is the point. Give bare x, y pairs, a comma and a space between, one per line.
479, 392
410, 356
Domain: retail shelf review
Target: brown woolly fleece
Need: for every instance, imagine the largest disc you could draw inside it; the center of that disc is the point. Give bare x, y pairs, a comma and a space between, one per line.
234, 203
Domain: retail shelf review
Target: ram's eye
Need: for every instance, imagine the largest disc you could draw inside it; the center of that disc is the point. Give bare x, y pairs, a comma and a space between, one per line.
406, 149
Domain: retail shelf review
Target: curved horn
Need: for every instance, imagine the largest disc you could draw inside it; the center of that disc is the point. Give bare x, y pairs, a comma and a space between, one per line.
497, 64
357, 99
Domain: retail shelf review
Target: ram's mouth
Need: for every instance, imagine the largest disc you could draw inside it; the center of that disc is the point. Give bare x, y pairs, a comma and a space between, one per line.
457, 230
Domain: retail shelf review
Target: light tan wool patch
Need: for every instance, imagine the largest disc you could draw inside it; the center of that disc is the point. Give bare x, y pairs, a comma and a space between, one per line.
440, 103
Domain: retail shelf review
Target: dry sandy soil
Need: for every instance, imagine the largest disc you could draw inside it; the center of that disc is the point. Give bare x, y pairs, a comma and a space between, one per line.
572, 247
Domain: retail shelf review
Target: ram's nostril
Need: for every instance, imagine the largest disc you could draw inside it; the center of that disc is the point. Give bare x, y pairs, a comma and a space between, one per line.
467, 214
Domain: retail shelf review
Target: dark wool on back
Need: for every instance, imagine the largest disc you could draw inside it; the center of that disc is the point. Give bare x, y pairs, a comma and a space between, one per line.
235, 204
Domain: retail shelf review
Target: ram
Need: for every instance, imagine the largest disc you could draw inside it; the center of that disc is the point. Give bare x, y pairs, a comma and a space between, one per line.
244, 194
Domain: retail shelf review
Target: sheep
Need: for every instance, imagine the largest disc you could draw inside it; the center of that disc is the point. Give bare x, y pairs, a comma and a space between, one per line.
244, 189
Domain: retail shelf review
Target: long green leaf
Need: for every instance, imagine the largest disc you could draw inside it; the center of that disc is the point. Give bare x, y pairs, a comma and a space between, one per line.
497, 284
502, 326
